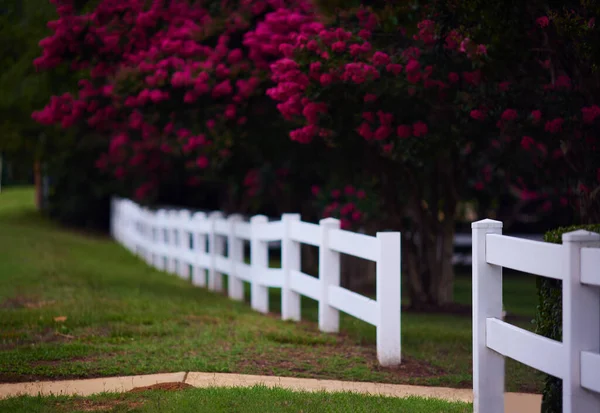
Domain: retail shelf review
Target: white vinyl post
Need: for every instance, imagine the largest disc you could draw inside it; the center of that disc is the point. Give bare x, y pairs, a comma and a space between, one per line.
173, 230
152, 238
216, 246
329, 275
162, 222
184, 224
147, 222
389, 299
199, 248
488, 366
259, 261
290, 261
235, 247
581, 323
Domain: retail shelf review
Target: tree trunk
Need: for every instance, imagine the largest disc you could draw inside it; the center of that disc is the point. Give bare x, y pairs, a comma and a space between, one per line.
428, 266
428, 247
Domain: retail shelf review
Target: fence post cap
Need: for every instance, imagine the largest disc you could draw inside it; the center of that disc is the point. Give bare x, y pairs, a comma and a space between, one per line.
581, 235
199, 215
330, 222
291, 217
388, 234
215, 215
235, 217
486, 223
259, 219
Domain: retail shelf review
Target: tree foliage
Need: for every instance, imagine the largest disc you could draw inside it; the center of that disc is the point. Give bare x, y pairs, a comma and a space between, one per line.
421, 105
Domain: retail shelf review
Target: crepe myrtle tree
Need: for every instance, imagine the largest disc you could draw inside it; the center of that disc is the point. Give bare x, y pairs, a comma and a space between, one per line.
426, 111
176, 91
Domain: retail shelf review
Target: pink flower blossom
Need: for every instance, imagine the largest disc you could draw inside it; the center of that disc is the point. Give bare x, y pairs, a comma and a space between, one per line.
202, 162
509, 115
356, 216
536, 116
347, 208
554, 126
383, 132
370, 97
404, 131
380, 59
543, 21
420, 129
477, 114
590, 114
365, 131
326, 79
394, 68
338, 47
527, 142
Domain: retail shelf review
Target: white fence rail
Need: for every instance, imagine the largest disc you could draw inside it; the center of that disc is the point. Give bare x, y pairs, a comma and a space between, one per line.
575, 360
205, 247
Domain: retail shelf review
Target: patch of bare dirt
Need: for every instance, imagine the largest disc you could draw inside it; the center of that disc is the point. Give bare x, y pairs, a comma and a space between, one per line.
171, 386
313, 364
89, 359
22, 301
100, 406
16, 339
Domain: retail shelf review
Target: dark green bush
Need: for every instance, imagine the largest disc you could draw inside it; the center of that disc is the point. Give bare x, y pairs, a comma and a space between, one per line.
549, 317
79, 194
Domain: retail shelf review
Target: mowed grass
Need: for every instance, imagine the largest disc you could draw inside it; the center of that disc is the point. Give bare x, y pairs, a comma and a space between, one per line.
250, 400
75, 306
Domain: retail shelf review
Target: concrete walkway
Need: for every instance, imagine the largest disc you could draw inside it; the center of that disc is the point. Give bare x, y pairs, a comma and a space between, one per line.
515, 402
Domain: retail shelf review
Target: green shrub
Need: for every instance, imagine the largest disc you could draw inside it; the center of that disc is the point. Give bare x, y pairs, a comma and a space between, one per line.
549, 317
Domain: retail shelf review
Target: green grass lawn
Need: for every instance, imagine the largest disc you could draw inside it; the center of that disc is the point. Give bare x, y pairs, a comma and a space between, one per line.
250, 400
75, 305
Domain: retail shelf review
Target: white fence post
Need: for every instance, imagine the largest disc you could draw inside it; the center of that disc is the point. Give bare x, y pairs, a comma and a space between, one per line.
216, 246
329, 275
388, 285
259, 260
581, 323
172, 230
162, 236
235, 247
290, 261
146, 219
183, 224
199, 248
488, 366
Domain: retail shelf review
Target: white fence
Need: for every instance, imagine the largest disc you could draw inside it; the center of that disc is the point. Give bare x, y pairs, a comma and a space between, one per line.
575, 360
194, 245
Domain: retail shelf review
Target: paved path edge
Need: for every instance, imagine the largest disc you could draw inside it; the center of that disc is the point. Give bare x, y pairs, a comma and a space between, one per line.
515, 402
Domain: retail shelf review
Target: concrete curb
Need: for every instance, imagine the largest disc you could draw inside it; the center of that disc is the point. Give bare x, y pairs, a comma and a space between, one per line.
515, 402
87, 387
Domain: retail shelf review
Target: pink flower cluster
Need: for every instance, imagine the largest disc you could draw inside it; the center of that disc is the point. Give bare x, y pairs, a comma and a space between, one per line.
309, 70
347, 204
148, 58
